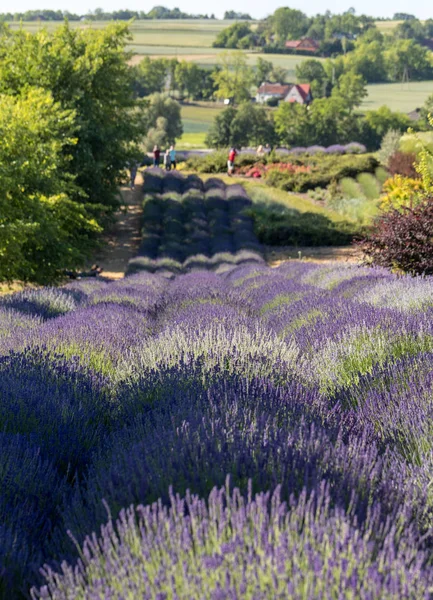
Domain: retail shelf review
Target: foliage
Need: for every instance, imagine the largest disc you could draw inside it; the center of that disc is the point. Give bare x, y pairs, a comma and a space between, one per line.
351, 87
278, 226
238, 35
150, 76
234, 78
406, 59
313, 72
389, 146
42, 231
403, 163
382, 120
289, 23
86, 71
231, 14
248, 125
188, 79
163, 121
403, 239
324, 171
401, 191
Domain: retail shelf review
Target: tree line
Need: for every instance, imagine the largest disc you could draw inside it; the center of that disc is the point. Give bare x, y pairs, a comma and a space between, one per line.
69, 124
157, 12
353, 42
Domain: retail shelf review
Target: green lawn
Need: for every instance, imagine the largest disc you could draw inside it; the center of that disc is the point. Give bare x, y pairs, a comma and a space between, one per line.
197, 118
403, 97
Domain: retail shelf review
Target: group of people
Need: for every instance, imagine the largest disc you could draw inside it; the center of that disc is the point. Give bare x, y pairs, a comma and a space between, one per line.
169, 158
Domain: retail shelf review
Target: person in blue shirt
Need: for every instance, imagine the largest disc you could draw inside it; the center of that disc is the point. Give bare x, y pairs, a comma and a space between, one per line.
173, 157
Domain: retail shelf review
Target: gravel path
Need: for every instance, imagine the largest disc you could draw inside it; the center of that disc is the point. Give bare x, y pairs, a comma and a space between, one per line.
121, 241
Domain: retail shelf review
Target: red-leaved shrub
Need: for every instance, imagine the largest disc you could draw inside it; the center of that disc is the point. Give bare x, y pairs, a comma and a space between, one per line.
402, 163
403, 239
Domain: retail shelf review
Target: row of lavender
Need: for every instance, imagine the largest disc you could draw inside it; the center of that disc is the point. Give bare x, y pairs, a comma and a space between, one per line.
311, 387
190, 224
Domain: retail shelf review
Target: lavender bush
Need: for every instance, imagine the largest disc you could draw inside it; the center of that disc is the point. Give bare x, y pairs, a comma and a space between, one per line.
308, 386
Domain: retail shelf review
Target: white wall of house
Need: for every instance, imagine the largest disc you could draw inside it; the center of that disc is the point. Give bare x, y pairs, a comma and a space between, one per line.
263, 98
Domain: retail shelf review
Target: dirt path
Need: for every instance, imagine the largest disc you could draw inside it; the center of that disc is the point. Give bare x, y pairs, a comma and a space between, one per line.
121, 242
323, 254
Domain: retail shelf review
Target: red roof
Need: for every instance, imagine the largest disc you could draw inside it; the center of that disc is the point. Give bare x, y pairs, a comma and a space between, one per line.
274, 89
293, 43
304, 89
304, 44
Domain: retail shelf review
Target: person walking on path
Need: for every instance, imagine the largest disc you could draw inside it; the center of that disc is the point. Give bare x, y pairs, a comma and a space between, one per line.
173, 157
133, 174
156, 156
231, 161
167, 160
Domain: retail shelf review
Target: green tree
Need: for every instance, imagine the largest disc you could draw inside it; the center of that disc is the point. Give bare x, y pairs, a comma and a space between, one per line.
426, 110
278, 74
235, 36
333, 122
42, 231
251, 126
409, 30
288, 23
163, 120
367, 60
235, 77
313, 72
351, 88
382, 120
247, 125
293, 125
263, 70
405, 59
86, 71
219, 135
189, 79
150, 76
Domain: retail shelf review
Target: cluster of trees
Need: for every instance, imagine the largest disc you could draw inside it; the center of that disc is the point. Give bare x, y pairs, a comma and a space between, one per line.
354, 40
232, 77
181, 78
386, 58
69, 124
292, 24
158, 12
238, 16
325, 122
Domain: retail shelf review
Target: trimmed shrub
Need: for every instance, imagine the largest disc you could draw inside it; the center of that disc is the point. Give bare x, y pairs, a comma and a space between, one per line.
403, 239
402, 163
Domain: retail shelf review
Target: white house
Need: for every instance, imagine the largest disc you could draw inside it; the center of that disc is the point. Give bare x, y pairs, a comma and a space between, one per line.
267, 91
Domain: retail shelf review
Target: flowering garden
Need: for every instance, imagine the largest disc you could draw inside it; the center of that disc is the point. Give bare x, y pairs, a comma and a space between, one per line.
219, 428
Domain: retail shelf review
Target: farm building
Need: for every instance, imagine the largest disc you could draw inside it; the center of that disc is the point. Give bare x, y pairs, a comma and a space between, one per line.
289, 92
268, 91
300, 93
306, 45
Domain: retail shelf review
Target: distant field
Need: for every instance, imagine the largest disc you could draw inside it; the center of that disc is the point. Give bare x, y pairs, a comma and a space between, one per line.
387, 26
197, 120
403, 97
174, 33
192, 40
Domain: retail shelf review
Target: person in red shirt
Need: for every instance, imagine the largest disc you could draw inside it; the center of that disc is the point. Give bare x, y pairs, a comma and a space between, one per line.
156, 156
231, 161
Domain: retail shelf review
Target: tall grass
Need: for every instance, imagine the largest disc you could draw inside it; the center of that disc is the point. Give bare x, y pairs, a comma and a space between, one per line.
350, 188
370, 186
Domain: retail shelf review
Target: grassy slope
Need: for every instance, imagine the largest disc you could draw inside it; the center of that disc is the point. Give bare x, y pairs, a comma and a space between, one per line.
403, 97
197, 118
259, 192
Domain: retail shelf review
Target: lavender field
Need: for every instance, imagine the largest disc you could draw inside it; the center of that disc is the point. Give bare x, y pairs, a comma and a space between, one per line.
228, 432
